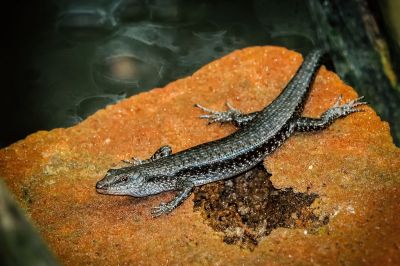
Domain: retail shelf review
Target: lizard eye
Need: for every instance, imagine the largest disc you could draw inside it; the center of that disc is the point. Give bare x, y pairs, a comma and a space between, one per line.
123, 179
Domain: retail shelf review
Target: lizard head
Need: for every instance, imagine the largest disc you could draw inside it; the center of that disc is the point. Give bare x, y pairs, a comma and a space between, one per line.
122, 181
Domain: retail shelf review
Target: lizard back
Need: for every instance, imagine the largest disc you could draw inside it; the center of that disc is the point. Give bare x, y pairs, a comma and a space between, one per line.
262, 136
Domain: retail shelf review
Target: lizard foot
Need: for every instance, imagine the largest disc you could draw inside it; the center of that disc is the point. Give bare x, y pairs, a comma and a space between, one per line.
134, 161
347, 108
221, 117
161, 209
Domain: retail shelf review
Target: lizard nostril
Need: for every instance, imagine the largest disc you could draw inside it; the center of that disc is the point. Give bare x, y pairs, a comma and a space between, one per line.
100, 185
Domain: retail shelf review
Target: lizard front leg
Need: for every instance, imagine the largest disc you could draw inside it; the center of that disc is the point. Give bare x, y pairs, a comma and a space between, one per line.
163, 151
232, 115
185, 189
305, 124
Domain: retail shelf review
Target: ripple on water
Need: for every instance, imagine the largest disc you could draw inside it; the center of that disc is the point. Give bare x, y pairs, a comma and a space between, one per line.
85, 24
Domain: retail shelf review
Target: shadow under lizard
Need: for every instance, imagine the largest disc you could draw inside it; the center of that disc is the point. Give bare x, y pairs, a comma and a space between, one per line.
259, 134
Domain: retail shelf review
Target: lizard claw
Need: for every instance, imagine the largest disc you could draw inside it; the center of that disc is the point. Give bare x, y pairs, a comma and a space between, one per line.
337, 103
231, 108
205, 109
356, 102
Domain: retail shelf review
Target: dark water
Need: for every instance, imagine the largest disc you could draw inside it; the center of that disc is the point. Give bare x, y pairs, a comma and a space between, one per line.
67, 59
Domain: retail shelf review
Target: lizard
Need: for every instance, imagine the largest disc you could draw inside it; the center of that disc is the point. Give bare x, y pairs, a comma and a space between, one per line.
259, 134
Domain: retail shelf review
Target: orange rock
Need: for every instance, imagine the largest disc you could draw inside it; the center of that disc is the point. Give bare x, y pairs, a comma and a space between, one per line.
353, 166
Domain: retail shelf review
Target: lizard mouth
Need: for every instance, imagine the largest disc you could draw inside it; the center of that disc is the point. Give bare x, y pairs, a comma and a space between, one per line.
107, 191
102, 190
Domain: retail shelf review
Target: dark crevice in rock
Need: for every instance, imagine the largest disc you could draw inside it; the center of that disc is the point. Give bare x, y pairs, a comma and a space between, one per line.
248, 207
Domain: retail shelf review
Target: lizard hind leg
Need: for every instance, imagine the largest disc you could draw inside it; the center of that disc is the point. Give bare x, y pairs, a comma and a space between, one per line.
233, 115
304, 124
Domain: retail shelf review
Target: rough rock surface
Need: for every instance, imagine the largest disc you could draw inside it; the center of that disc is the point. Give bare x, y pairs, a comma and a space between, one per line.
353, 166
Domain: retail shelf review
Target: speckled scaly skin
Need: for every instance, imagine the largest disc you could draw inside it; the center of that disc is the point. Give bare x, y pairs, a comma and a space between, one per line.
259, 134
